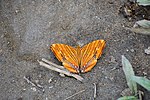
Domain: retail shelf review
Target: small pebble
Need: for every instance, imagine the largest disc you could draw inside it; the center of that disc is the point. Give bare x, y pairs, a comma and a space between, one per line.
39, 75
112, 59
132, 50
36, 81
147, 51
24, 89
33, 88
17, 11
50, 87
62, 75
50, 80
144, 73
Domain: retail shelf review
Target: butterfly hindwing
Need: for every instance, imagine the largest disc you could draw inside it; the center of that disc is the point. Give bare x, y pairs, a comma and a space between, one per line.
67, 55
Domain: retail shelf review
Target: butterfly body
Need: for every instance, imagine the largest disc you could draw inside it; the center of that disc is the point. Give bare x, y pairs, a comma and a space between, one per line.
79, 59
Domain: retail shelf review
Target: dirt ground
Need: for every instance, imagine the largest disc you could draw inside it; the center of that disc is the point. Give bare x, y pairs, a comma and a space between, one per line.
29, 27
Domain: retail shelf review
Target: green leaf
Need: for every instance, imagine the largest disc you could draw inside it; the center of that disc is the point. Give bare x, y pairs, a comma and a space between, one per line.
128, 98
142, 26
144, 31
142, 23
142, 81
128, 70
143, 2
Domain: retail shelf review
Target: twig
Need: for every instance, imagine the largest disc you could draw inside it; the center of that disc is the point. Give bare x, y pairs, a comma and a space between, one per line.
141, 93
74, 94
61, 67
94, 90
32, 83
54, 68
28, 81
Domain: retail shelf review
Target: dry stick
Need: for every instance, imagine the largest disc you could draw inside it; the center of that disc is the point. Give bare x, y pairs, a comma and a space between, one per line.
61, 67
140, 95
74, 94
61, 71
94, 90
33, 84
28, 81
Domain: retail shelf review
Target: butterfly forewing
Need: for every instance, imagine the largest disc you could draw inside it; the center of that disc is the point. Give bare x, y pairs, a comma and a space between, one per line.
100, 48
67, 55
90, 53
87, 53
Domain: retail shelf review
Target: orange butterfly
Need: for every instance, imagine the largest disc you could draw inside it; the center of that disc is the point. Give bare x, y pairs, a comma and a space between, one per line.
79, 59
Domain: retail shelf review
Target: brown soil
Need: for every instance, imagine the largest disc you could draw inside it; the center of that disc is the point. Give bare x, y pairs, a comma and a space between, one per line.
29, 27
